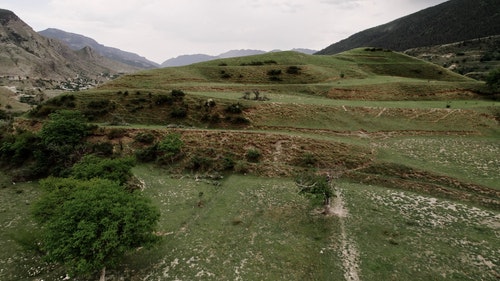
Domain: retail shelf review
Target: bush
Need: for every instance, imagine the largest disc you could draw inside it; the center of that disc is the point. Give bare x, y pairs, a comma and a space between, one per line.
252, 155
163, 99
177, 94
307, 160
200, 163
116, 133
235, 108
147, 154
102, 149
241, 167
493, 80
179, 112
146, 138
274, 72
170, 147
91, 166
293, 70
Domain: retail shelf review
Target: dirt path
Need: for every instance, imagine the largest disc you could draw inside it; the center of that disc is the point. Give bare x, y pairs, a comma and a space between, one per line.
349, 251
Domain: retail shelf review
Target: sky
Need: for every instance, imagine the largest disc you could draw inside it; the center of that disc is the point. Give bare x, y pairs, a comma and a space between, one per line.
163, 29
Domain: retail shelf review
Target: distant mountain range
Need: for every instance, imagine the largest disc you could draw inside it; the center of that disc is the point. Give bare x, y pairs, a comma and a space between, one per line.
27, 55
195, 58
77, 42
451, 21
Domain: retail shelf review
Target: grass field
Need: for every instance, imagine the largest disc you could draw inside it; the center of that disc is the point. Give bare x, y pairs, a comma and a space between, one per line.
415, 147
251, 228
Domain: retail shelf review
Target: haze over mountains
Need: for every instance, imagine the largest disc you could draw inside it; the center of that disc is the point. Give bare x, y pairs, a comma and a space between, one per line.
452, 21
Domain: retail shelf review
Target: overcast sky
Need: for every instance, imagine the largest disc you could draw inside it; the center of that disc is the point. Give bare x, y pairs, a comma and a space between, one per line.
162, 29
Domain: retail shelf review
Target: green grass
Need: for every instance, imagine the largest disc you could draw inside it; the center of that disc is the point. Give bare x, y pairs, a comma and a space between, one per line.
471, 159
262, 229
406, 236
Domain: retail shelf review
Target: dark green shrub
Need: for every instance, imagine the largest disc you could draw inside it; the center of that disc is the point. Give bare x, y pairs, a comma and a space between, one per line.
96, 104
274, 72
293, 70
307, 160
102, 149
170, 147
146, 138
252, 155
179, 112
235, 108
163, 99
116, 133
228, 162
90, 166
147, 154
200, 163
177, 94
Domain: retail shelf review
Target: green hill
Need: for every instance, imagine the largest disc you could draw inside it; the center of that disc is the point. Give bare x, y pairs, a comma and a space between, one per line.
451, 21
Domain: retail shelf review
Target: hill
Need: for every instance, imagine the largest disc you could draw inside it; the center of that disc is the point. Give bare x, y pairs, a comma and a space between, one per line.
473, 58
78, 42
452, 21
190, 59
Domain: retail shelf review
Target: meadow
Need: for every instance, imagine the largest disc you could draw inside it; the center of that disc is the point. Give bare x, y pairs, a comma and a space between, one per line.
414, 148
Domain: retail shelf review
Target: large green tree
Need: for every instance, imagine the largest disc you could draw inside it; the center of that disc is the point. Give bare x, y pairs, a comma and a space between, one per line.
63, 139
89, 225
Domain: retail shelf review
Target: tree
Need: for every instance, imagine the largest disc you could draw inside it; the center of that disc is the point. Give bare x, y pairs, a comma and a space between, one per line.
170, 147
65, 128
91, 166
90, 225
317, 186
62, 137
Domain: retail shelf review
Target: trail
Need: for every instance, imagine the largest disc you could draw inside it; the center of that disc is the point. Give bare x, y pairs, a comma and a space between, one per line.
349, 251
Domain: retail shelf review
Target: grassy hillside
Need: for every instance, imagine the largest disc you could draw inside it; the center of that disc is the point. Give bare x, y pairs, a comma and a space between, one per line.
472, 58
412, 146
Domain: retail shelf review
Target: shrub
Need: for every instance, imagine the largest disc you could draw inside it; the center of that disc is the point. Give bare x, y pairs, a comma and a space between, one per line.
170, 147
274, 72
163, 99
116, 133
241, 167
228, 162
200, 163
307, 160
177, 94
235, 108
252, 155
147, 154
146, 138
102, 149
293, 70
91, 166
179, 112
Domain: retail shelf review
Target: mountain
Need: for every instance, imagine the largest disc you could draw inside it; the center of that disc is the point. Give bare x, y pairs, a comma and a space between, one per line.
196, 58
452, 21
77, 42
26, 54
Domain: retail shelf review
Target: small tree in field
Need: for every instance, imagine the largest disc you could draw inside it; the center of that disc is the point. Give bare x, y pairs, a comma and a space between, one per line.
317, 186
91, 225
